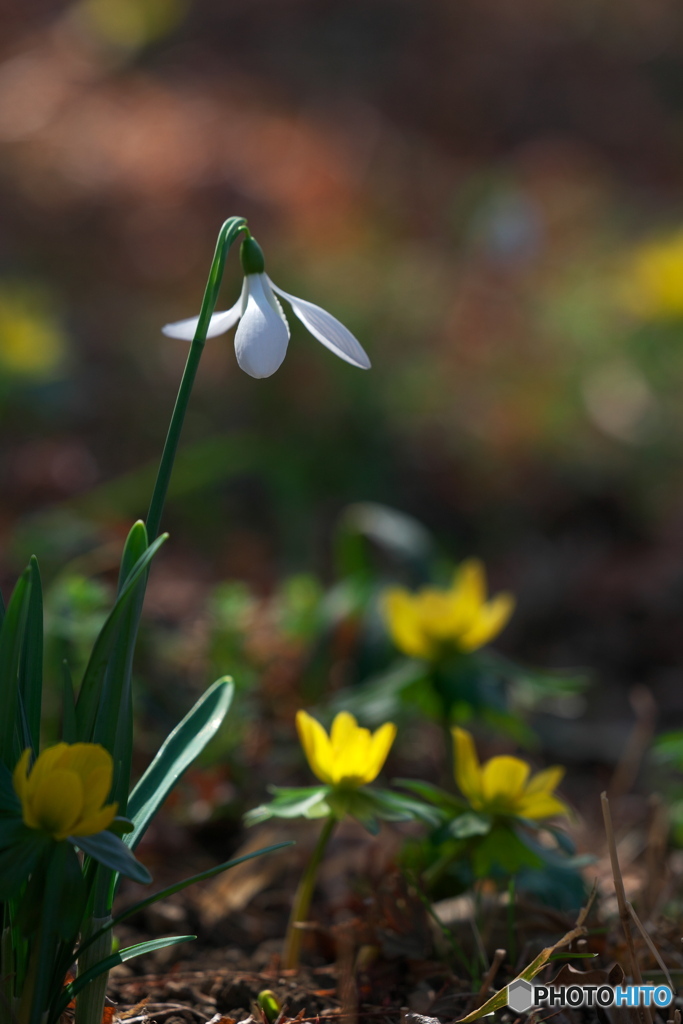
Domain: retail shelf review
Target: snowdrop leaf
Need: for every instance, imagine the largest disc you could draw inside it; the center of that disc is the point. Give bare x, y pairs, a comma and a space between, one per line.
72, 990
176, 754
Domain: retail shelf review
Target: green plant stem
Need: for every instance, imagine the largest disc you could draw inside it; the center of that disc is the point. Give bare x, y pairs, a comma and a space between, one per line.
90, 1002
303, 897
226, 237
6, 976
25, 1003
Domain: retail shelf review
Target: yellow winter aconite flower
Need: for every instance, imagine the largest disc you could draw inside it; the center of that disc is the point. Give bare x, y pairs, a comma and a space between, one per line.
31, 342
64, 792
652, 285
502, 785
350, 755
428, 623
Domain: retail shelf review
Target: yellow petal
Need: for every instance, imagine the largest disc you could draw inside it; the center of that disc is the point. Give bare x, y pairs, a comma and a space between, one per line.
344, 728
90, 824
541, 805
403, 619
467, 768
539, 800
502, 782
64, 792
58, 803
84, 758
380, 746
467, 593
44, 765
20, 775
434, 614
97, 787
351, 750
489, 622
545, 781
316, 744
95, 767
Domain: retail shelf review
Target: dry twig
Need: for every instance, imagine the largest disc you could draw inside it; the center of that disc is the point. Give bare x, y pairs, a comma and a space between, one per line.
642, 1012
487, 983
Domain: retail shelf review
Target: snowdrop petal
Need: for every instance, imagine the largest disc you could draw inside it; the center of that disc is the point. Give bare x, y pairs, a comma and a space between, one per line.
263, 334
328, 330
268, 286
218, 324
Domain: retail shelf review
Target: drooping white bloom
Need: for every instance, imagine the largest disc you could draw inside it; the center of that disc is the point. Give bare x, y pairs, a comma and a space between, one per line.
262, 333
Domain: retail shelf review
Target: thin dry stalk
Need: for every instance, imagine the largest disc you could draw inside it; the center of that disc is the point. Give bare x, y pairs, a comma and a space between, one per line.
347, 991
650, 945
658, 834
487, 983
641, 1011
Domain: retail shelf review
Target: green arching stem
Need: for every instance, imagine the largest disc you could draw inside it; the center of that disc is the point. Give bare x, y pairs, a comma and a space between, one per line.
91, 1001
304, 895
226, 237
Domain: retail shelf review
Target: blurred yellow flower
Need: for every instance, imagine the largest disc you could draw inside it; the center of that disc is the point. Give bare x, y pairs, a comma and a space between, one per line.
350, 755
432, 621
129, 24
502, 785
64, 792
31, 342
652, 285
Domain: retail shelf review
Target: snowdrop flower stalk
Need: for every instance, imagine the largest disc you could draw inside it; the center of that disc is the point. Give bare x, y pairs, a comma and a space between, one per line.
228, 233
69, 821
262, 334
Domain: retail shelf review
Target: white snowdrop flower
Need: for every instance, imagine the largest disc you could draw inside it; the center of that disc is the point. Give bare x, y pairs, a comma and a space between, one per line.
262, 334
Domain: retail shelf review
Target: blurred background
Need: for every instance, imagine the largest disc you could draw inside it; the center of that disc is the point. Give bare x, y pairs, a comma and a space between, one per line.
489, 195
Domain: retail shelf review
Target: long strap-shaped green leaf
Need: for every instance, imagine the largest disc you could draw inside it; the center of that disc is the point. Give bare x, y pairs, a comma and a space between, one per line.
11, 646
175, 755
46, 946
69, 728
72, 990
31, 666
114, 720
89, 696
178, 887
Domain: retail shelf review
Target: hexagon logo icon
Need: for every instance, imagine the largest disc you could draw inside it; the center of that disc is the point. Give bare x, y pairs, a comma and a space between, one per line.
520, 996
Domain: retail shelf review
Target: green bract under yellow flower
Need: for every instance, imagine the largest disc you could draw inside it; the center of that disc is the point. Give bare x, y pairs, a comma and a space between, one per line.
350, 755
502, 785
428, 623
64, 793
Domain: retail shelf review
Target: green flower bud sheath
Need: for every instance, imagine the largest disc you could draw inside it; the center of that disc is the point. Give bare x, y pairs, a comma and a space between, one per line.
251, 257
